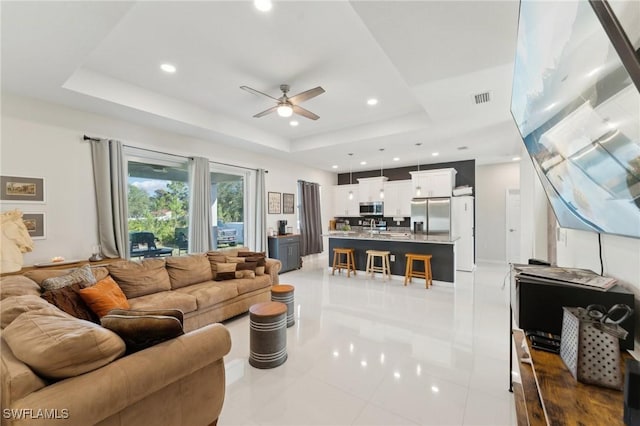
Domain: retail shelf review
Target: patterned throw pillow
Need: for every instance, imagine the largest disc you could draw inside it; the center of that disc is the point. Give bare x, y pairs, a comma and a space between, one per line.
224, 276
245, 274
82, 275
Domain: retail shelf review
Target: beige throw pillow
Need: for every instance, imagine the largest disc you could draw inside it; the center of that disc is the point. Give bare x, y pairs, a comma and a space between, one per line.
57, 345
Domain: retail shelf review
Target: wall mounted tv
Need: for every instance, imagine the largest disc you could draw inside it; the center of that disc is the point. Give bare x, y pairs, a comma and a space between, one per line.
576, 102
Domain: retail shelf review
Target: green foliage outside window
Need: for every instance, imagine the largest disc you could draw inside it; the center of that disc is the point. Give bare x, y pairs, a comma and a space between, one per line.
160, 213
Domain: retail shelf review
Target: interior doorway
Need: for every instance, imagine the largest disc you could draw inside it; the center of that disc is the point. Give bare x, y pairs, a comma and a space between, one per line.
513, 226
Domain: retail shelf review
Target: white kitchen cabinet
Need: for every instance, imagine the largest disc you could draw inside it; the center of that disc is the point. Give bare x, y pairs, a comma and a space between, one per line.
369, 189
462, 227
433, 183
397, 198
343, 206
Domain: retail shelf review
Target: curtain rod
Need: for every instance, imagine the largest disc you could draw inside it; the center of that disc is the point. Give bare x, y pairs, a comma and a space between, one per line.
89, 138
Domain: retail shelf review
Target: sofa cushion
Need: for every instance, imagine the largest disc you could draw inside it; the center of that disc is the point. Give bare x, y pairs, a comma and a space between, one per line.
82, 275
187, 270
247, 285
14, 306
18, 380
17, 285
235, 259
104, 296
210, 293
176, 313
69, 300
141, 278
166, 300
142, 331
57, 345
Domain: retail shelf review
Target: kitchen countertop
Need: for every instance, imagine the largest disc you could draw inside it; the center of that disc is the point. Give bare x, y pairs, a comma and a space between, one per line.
391, 236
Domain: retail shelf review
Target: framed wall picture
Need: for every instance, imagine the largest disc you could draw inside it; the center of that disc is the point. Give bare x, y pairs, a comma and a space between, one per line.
288, 204
36, 225
22, 189
274, 202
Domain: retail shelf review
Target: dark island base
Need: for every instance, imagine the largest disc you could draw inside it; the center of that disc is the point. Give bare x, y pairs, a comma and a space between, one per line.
442, 262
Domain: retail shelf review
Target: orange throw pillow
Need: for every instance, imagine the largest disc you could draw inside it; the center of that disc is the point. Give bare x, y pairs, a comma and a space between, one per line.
104, 296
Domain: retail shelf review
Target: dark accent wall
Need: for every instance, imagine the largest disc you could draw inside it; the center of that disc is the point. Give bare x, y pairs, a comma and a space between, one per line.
466, 172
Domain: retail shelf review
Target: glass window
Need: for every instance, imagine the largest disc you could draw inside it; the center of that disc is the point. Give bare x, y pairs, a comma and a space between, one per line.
158, 204
228, 195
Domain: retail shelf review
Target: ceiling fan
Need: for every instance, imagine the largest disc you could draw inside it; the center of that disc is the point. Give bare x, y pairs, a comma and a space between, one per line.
288, 105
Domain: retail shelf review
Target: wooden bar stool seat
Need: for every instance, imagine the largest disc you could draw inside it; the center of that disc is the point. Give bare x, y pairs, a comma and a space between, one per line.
384, 267
349, 263
411, 273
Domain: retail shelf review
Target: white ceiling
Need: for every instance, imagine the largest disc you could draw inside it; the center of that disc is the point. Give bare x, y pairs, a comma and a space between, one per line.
423, 60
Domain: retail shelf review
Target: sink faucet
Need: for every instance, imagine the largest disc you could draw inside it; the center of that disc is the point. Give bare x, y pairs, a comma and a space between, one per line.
372, 224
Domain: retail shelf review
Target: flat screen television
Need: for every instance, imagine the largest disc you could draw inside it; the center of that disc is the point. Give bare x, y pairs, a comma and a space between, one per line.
576, 103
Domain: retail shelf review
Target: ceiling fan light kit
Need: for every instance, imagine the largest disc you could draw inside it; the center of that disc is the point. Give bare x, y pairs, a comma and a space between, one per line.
287, 106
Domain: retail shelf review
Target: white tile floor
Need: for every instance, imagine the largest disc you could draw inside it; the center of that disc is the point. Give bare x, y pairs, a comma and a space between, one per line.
373, 352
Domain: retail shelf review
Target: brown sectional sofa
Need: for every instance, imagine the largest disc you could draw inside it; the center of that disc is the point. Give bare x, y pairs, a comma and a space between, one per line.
177, 382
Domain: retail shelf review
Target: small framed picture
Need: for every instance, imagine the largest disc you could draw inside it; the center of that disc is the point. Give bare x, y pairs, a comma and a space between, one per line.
36, 225
274, 202
288, 206
22, 189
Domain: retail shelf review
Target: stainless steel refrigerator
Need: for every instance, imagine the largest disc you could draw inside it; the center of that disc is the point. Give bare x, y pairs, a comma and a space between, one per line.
431, 216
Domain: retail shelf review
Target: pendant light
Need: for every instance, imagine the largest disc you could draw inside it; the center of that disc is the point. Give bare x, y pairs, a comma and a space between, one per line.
418, 189
350, 176
381, 166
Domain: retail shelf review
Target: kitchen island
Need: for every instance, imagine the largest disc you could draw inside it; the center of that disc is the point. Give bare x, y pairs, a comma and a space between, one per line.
442, 250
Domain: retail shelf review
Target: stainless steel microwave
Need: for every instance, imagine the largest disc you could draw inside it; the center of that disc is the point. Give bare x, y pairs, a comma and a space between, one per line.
375, 208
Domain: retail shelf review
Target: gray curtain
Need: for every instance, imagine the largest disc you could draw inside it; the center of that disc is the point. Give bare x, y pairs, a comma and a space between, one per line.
260, 229
110, 181
200, 239
310, 221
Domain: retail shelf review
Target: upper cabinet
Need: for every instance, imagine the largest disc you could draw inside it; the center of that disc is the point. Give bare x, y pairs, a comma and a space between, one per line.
369, 189
397, 198
346, 204
433, 183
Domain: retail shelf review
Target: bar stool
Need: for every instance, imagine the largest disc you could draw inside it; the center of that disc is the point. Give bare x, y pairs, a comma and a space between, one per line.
284, 293
349, 264
410, 273
384, 267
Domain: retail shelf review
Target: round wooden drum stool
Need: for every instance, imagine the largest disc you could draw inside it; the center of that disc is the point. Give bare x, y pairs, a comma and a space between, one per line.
268, 334
284, 293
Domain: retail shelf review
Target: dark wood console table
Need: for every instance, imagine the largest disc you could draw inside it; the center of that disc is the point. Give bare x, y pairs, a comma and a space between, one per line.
549, 395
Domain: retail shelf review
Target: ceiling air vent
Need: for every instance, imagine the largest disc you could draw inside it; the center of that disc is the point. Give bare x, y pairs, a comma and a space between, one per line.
482, 98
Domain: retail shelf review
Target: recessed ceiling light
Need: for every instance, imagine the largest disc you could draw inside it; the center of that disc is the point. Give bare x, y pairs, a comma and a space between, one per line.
396, 158
462, 148
263, 5
435, 154
293, 123
372, 101
335, 166
168, 68
515, 159
362, 163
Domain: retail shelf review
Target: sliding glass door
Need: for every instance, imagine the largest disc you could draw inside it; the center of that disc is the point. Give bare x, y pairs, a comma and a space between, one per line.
229, 198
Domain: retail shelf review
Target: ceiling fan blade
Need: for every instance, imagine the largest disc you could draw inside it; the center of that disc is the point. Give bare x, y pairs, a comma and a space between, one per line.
257, 92
305, 112
311, 93
267, 111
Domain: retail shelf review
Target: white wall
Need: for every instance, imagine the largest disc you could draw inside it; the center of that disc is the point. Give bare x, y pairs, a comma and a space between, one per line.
45, 140
533, 213
492, 182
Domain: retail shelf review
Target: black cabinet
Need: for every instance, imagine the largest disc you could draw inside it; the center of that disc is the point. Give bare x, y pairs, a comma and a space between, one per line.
286, 248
